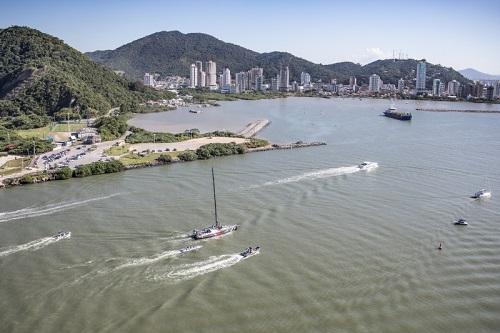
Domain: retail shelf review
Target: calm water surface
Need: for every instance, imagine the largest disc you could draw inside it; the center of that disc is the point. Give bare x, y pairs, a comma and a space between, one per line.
342, 250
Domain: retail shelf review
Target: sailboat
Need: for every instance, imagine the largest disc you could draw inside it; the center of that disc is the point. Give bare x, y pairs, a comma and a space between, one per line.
217, 229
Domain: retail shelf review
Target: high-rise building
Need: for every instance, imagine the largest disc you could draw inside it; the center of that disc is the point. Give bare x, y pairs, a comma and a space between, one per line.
149, 80
193, 76
478, 90
226, 78
253, 74
489, 93
436, 84
421, 72
453, 88
441, 88
284, 81
401, 85
241, 81
211, 75
275, 83
305, 79
374, 83
465, 90
259, 83
352, 81
200, 81
497, 89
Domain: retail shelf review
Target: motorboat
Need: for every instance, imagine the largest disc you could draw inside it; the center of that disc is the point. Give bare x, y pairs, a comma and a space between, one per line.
188, 249
62, 235
195, 111
481, 194
248, 252
392, 112
460, 222
367, 165
217, 229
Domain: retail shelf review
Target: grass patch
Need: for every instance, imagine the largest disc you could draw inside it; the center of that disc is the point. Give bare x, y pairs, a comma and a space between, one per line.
43, 132
14, 166
117, 150
136, 159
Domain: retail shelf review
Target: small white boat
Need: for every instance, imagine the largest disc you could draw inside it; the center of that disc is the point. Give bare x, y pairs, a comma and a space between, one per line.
195, 111
250, 252
62, 235
481, 194
367, 165
460, 222
188, 249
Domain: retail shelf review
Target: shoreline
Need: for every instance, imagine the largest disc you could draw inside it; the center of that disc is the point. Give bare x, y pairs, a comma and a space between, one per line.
46, 176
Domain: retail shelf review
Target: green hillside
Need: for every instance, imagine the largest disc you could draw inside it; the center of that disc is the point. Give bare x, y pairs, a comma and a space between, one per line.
40, 75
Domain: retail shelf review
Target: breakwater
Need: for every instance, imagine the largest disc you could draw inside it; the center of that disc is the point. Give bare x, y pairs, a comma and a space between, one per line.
457, 110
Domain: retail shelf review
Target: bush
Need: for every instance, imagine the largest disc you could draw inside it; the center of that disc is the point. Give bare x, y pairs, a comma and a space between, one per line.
27, 179
165, 159
256, 143
219, 149
64, 173
111, 128
187, 155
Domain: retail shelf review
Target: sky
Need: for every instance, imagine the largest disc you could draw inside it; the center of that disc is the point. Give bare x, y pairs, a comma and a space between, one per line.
458, 34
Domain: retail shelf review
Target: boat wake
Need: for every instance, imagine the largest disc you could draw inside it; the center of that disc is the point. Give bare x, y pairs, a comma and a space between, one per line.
157, 257
324, 173
47, 209
212, 264
32, 246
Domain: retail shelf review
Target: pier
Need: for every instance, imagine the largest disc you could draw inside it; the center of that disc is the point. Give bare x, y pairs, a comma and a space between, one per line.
457, 110
253, 128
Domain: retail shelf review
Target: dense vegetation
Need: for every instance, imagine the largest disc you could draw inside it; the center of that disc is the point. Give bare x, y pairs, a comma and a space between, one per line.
98, 168
40, 75
112, 127
219, 149
14, 144
140, 135
172, 52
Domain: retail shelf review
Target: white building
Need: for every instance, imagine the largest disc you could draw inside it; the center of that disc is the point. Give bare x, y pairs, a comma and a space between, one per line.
211, 75
226, 78
149, 80
253, 74
305, 79
453, 88
375, 83
421, 72
284, 79
193, 76
497, 89
241, 82
200, 81
401, 85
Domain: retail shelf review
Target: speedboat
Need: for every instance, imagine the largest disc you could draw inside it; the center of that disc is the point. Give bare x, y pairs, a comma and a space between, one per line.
481, 194
250, 252
367, 165
62, 235
195, 111
460, 222
188, 249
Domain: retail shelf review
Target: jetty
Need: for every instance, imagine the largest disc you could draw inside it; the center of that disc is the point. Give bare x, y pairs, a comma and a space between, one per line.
457, 110
253, 128
298, 144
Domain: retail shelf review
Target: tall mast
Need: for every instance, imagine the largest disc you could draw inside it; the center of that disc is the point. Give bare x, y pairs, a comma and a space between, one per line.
215, 200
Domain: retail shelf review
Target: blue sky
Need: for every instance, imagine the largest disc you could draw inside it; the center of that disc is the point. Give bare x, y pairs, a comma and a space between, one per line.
453, 33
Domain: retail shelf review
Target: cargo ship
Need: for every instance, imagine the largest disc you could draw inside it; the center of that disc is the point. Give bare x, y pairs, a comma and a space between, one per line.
392, 112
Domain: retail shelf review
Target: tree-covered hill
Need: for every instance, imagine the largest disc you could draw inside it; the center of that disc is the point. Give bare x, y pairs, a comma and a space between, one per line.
172, 52
40, 75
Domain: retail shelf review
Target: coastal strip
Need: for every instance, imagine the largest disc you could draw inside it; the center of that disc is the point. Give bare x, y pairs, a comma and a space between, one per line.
456, 110
50, 175
254, 127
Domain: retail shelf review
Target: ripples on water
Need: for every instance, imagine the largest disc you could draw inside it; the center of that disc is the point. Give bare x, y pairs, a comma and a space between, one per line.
342, 250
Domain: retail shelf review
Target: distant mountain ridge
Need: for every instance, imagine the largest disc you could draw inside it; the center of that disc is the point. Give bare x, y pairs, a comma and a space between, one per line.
172, 52
473, 74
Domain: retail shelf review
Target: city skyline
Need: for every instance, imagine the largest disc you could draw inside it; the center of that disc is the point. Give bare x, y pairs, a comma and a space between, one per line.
338, 32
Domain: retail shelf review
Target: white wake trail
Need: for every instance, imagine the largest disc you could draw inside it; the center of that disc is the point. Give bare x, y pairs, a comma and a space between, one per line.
32, 246
212, 264
48, 209
324, 173
157, 257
